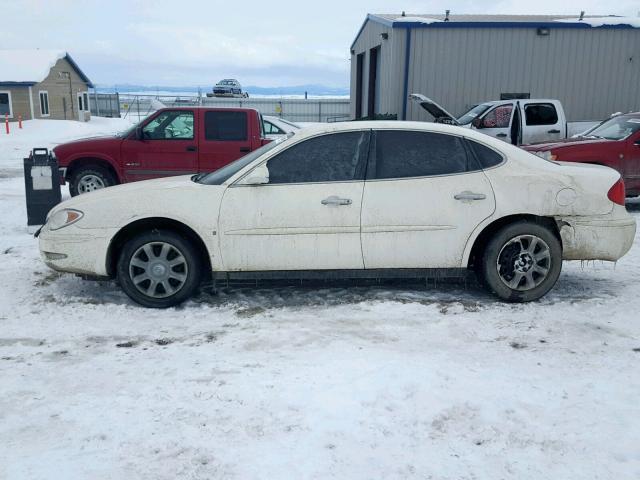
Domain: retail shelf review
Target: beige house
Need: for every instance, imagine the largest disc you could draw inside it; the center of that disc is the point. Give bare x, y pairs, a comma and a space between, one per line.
45, 84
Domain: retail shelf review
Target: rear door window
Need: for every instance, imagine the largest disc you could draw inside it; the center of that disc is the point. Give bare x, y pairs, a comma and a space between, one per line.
540, 114
337, 157
225, 126
404, 154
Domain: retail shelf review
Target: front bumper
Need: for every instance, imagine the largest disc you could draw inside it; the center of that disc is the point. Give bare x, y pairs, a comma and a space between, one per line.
76, 250
585, 238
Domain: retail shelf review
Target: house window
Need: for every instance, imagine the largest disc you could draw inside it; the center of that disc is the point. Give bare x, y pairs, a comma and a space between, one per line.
44, 103
5, 104
85, 98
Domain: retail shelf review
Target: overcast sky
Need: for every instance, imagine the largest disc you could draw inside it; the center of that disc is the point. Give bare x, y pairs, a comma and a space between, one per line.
192, 42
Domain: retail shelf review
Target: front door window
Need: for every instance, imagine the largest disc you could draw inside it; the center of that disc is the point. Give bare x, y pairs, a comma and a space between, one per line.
499, 117
170, 125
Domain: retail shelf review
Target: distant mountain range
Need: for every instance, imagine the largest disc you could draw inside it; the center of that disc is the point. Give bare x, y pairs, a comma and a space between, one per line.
315, 90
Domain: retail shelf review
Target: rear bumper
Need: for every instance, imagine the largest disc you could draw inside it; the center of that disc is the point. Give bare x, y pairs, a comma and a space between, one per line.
585, 238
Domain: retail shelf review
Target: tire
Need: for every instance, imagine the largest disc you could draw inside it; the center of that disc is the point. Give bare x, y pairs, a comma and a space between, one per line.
164, 257
521, 262
88, 178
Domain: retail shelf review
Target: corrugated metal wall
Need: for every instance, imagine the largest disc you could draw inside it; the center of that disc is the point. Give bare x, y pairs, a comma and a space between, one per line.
594, 72
391, 61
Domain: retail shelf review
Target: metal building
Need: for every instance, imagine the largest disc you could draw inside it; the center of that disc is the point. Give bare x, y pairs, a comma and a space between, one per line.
591, 64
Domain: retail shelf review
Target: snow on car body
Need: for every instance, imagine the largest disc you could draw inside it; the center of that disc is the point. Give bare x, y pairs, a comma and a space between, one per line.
357, 198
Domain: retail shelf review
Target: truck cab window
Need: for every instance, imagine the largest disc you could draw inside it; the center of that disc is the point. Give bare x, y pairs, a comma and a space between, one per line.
540, 114
499, 117
170, 125
226, 126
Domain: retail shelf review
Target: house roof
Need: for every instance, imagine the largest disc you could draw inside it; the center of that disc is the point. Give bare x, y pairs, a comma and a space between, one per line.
28, 67
398, 20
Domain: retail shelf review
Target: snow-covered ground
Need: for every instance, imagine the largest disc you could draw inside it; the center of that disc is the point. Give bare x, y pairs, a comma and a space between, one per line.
330, 381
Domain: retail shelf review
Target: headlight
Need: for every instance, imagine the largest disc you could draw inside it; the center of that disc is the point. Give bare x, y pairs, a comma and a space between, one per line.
547, 155
64, 218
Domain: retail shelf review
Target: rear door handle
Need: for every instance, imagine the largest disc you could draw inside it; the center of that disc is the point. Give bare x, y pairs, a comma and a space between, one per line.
335, 200
501, 135
469, 196
553, 131
192, 148
245, 149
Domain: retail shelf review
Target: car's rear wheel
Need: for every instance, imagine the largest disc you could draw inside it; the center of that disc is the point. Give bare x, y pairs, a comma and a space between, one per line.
89, 178
159, 269
521, 262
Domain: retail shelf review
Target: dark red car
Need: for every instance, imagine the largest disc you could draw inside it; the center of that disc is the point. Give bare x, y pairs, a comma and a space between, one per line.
172, 141
614, 143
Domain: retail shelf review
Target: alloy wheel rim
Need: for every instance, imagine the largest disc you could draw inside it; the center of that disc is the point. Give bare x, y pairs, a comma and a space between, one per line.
158, 269
89, 183
524, 262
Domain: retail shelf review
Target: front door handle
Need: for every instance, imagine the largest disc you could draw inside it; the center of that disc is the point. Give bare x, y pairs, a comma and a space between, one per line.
469, 196
192, 148
553, 130
245, 149
335, 200
501, 135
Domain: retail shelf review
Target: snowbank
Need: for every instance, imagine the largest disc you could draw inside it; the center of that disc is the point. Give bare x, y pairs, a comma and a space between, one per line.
49, 133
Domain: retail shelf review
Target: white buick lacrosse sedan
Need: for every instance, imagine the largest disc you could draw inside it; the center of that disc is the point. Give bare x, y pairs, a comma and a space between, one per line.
355, 199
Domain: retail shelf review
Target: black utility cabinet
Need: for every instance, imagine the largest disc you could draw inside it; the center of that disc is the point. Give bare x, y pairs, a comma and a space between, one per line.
42, 185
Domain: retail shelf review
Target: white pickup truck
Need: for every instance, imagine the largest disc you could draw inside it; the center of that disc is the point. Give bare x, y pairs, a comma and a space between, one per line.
519, 122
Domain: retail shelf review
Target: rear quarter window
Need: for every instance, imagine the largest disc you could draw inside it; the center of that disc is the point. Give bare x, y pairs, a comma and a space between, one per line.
486, 157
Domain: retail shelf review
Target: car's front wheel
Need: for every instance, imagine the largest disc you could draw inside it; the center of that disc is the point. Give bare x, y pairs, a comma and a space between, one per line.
159, 269
521, 262
89, 178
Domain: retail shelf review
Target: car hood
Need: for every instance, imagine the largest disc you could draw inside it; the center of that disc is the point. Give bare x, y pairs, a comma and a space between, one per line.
567, 142
436, 111
179, 198
134, 190
87, 142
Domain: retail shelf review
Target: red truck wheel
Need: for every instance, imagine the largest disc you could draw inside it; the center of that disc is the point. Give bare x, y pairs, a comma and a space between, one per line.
89, 178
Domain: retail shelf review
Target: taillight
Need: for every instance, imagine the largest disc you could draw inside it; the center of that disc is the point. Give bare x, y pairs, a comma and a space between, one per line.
616, 192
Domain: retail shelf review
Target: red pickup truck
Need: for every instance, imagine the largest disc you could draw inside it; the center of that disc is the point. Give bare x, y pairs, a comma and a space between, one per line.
614, 143
172, 141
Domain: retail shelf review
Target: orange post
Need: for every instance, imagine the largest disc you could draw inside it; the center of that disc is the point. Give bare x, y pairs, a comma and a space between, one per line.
6, 122
19, 121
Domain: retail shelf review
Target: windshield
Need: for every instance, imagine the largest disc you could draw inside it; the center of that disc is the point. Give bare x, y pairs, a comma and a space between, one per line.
225, 173
473, 113
617, 128
130, 130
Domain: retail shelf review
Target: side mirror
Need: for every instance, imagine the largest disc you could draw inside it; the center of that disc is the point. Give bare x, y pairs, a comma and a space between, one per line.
139, 133
259, 176
476, 122
637, 142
